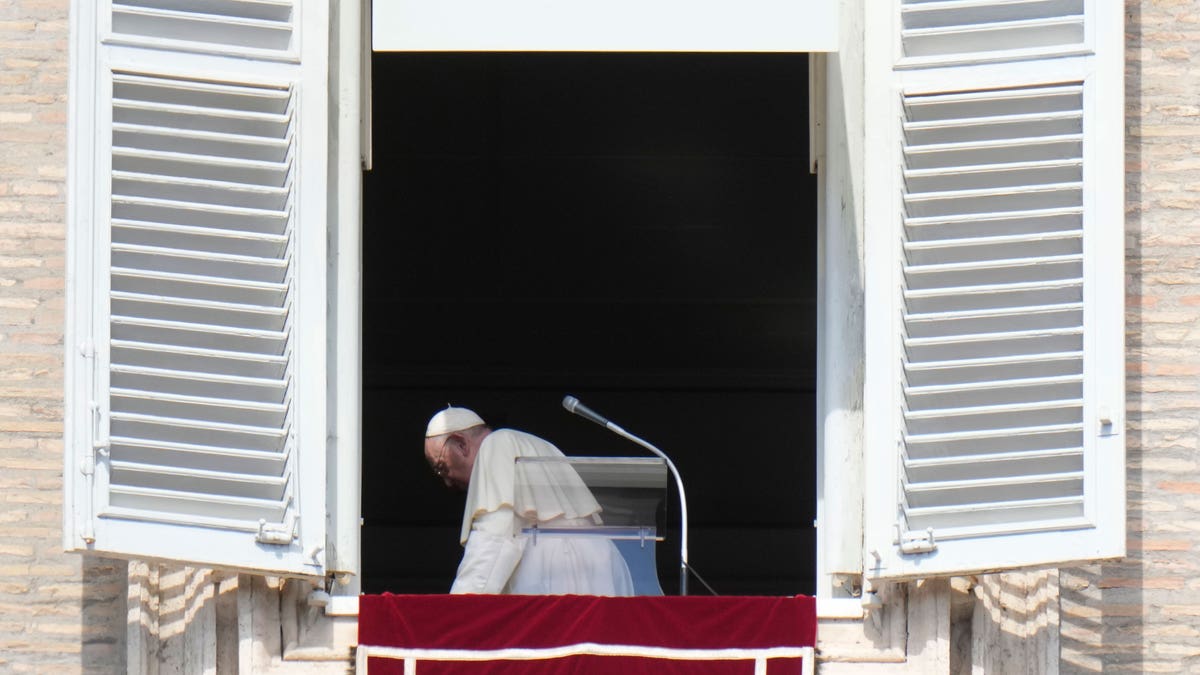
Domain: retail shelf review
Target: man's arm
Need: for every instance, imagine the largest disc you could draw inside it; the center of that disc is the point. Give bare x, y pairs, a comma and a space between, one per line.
490, 556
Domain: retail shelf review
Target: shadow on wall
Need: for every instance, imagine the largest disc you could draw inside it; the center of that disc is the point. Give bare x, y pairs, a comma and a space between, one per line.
1005, 623
102, 619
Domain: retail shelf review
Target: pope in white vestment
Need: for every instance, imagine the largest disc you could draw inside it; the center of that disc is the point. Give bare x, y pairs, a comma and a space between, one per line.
499, 556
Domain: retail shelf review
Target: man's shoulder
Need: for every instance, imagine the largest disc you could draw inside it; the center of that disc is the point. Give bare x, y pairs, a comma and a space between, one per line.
520, 442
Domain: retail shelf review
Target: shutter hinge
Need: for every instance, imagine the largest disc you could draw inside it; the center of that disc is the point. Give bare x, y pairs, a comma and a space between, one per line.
915, 543
87, 463
279, 534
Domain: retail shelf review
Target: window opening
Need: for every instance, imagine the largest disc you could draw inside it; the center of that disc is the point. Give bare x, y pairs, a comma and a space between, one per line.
635, 229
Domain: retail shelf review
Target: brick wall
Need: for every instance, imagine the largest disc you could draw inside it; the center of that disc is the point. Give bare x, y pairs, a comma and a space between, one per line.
58, 612
1143, 614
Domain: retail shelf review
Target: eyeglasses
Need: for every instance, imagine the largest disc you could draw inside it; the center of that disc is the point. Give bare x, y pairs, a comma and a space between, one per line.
440, 467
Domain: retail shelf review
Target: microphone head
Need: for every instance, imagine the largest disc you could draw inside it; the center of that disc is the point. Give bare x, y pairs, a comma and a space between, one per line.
569, 402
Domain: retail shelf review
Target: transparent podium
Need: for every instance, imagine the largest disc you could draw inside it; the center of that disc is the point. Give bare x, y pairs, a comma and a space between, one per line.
622, 499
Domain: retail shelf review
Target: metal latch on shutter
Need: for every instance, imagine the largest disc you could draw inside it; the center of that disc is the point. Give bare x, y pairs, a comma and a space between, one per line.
915, 543
280, 534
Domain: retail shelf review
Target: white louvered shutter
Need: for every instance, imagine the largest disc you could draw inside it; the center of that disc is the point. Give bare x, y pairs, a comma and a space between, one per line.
995, 367
196, 317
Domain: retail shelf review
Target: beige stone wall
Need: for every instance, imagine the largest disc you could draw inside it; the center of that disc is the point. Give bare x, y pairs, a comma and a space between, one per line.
1143, 614
58, 612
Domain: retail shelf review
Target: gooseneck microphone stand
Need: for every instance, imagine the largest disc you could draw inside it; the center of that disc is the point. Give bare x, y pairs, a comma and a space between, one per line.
573, 405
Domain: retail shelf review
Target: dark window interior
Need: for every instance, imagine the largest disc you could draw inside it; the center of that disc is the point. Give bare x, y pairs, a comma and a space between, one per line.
638, 230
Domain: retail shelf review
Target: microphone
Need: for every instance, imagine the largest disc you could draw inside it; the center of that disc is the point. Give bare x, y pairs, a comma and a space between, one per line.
574, 406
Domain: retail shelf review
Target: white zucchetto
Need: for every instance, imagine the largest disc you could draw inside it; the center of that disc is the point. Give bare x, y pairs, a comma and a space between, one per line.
450, 420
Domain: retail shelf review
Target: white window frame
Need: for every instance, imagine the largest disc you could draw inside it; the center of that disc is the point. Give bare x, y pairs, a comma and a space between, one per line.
611, 25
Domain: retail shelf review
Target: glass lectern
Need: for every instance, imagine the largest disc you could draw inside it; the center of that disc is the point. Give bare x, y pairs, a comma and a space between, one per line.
631, 495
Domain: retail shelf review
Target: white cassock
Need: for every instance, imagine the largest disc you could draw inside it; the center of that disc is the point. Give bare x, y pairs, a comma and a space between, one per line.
499, 558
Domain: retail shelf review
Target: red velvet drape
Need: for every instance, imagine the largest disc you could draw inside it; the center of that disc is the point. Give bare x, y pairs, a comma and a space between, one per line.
489, 622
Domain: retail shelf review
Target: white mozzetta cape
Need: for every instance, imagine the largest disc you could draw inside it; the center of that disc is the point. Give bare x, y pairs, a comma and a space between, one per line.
550, 491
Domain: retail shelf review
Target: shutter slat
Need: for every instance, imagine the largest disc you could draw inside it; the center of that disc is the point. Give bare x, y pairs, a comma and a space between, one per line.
192, 519
957, 462
993, 392
1016, 343
198, 456
1011, 221
968, 371
227, 122
145, 209
198, 287
972, 386
200, 167
163, 428
198, 19
942, 12
1009, 361
187, 506
992, 296
958, 30
213, 257
988, 103
204, 92
993, 489
220, 144
194, 335
270, 482
217, 331
978, 266
1016, 294
254, 29
259, 120
200, 191
992, 151
992, 177
990, 321
986, 466
1014, 335
991, 312
993, 34
278, 10
992, 200
962, 127
951, 420
1014, 409
225, 410
238, 317
218, 483
199, 383
972, 520
911, 439
196, 359
194, 238
991, 240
